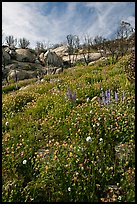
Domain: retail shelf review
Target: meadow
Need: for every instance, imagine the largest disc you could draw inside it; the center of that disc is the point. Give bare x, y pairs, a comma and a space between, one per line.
70, 138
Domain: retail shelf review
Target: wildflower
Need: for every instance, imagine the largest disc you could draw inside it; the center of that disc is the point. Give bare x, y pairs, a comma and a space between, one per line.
88, 99
100, 139
7, 123
24, 161
69, 189
89, 139
55, 157
74, 96
12, 114
70, 96
103, 98
91, 112
42, 80
116, 96
46, 168
71, 154
94, 125
119, 197
99, 118
108, 95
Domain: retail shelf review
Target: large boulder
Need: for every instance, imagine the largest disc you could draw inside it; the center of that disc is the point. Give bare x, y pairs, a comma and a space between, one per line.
24, 55
95, 56
80, 57
6, 59
21, 74
11, 51
41, 58
52, 59
61, 51
24, 65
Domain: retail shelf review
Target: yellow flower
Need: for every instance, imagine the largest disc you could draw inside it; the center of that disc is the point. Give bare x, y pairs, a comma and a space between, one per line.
55, 157
70, 154
75, 179
71, 146
46, 168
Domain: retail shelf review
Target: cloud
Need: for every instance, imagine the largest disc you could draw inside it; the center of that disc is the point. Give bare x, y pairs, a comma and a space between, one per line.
53, 21
109, 16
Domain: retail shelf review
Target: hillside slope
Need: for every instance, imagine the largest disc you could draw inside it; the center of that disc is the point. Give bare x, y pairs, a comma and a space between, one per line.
70, 137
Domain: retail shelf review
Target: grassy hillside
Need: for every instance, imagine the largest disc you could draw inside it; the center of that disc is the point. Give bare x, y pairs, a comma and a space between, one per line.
71, 137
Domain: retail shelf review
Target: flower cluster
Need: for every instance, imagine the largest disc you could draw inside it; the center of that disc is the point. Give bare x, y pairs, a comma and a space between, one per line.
106, 97
71, 96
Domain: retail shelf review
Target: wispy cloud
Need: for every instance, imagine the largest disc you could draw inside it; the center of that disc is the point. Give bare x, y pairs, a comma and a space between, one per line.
53, 21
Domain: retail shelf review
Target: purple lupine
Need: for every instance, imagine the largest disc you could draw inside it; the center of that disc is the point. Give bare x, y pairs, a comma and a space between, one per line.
70, 96
109, 95
106, 93
74, 96
116, 96
103, 98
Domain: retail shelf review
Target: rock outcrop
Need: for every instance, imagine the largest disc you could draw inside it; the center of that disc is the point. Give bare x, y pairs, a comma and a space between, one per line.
27, 64
6, 58
21, 74
24, 55
51, 58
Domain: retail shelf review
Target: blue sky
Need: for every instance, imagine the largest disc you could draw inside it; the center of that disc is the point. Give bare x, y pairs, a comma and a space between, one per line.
51, 22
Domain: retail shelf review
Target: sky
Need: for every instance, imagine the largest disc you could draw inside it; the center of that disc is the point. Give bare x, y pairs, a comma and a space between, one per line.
51, 22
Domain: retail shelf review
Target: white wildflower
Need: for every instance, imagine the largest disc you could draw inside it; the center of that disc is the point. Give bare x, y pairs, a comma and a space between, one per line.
119, 197
91, 112
94, 125
99, 118
89, 139
97, 124
69, 189
77, 173
100, 139
24, 161
7, 123
82, 168
88, 99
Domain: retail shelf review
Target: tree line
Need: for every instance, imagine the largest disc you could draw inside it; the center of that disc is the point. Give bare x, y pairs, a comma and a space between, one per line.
125, 39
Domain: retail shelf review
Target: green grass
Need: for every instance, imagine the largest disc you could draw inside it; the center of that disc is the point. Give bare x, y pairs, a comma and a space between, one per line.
50, 132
